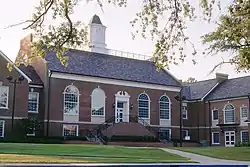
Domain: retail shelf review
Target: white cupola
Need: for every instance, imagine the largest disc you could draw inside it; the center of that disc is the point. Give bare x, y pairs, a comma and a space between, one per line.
96, 36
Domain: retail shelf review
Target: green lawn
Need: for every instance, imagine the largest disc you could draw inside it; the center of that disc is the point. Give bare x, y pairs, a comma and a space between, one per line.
72, 153
232, 153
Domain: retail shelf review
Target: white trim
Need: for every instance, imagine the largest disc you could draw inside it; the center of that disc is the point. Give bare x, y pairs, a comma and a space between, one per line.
209, 91
186, 131
241, 134
229, 99
149, 101
213, 114
170, 107
35, 86
213, 137
77, 128
243, 106
104, 104
78, 100
114, 82
224, 115
7, 102
234, 134
186, 112
18, 69
37, 101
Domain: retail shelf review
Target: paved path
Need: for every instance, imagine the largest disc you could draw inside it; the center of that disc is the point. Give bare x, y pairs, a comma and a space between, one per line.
203, 159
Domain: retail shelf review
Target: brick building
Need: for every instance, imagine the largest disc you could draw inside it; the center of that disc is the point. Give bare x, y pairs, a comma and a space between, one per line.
99, 93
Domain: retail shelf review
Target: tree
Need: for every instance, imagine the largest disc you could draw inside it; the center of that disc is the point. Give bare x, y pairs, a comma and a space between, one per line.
168, 33
232, 34
190, 80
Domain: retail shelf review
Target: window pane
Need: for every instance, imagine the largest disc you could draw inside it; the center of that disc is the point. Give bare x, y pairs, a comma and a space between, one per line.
164, 108
98, 102
216, 137
71, 103
33, 102
244, 112
215, 114
229, 113
70, 130
4, 90
143, 106
1, 128
245, 136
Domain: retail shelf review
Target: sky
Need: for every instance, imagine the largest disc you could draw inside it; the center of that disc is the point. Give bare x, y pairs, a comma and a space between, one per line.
118, 35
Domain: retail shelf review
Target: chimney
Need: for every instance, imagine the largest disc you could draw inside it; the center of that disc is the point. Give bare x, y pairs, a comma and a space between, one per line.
220, 77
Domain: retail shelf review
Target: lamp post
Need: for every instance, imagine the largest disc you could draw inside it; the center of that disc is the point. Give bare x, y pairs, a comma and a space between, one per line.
180, 98
14, 81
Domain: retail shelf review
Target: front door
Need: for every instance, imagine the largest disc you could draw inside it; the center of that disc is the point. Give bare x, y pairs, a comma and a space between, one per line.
119, 112
229, 138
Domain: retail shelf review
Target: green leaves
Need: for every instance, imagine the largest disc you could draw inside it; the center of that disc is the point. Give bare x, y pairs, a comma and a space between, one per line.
233, 34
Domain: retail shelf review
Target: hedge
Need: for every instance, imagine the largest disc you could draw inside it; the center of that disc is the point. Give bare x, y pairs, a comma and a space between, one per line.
42, 139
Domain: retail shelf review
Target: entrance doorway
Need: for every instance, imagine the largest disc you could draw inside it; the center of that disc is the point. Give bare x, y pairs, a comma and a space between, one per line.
229, 138
119, 112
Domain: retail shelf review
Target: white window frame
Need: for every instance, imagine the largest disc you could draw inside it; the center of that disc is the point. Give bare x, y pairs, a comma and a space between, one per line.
169, 108
138, 99
77, 129
104, 104
7, 103
184, 109
213, 137
78, 100
37, 101
186, 131
241, 112
215, 109
241, 134
224, 113
3, 130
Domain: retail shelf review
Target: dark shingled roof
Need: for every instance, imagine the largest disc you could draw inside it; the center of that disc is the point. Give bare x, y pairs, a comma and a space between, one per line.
113, 67
197, 90
96, 20
236, 87
31, 73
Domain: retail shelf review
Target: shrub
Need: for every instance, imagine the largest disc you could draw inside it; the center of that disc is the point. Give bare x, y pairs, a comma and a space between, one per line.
243, 144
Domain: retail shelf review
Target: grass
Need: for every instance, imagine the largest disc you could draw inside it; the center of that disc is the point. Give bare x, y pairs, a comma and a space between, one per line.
73, 153
231, 153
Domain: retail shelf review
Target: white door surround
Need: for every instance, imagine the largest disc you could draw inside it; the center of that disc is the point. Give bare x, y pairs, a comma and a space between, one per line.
229, 138
122, 106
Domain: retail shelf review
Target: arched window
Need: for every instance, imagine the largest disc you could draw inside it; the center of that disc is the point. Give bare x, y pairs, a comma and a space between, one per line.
143, 105
229, 115
164, 106
98, 102
71, 100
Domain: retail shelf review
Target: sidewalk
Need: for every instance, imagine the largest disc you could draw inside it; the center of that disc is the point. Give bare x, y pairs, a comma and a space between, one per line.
205, 160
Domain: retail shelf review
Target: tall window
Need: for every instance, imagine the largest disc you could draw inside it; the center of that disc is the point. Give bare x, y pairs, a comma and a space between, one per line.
215, 137
244, 136
215, 114
184, 112
2, 128
70, 130
244, 112
143, 105
98, 102
33, 102
229, 115
164, 107
4, 95
71, 100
